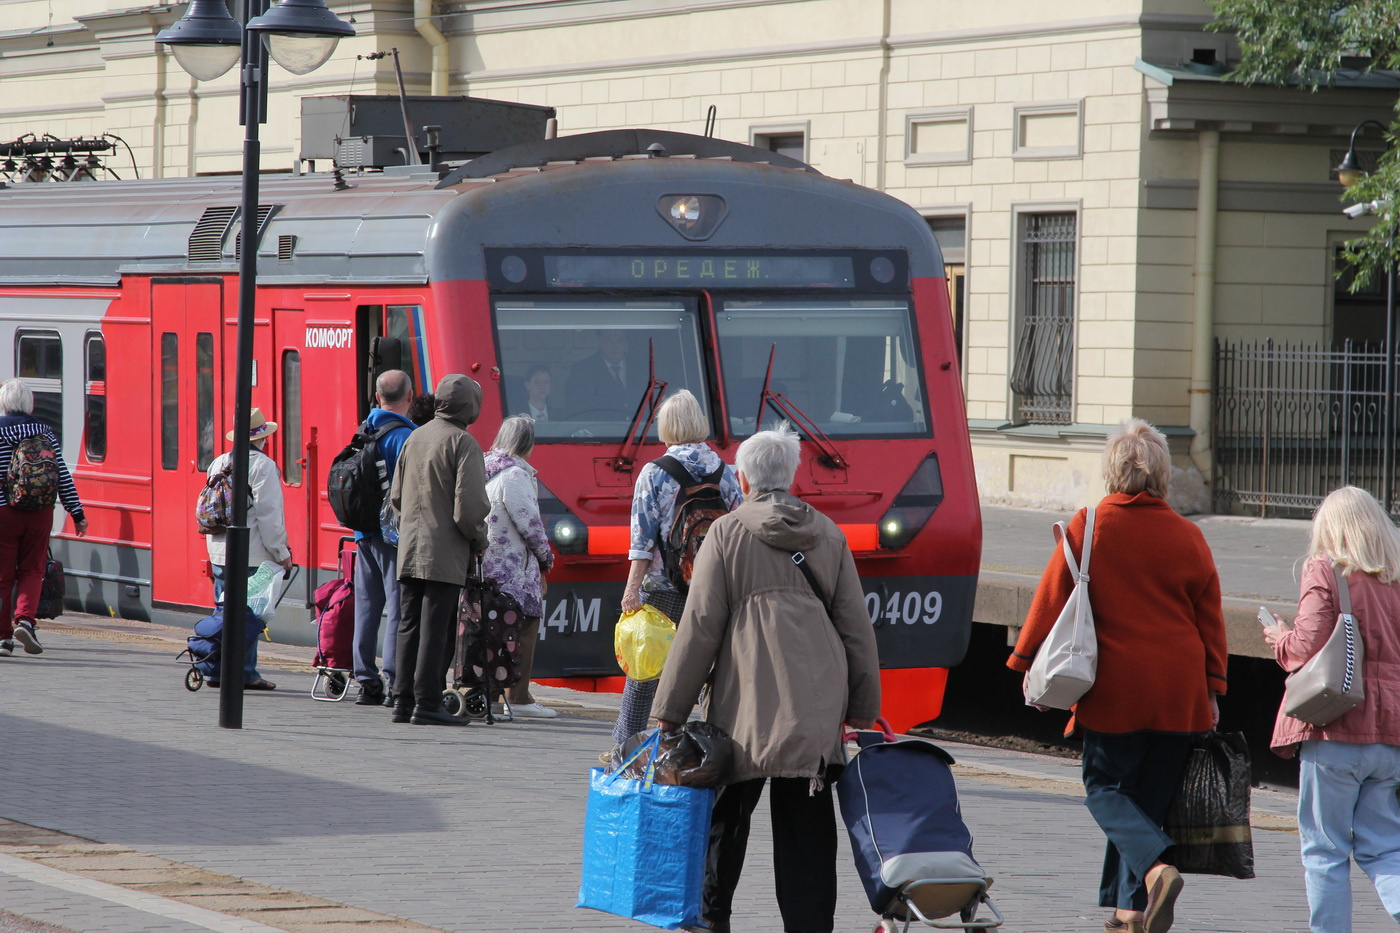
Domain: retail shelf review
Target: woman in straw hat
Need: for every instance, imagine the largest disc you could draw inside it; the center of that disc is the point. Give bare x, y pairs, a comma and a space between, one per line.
267, 527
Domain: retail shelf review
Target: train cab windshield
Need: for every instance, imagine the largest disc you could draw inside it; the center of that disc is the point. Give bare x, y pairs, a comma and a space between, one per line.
581, 368
850, 367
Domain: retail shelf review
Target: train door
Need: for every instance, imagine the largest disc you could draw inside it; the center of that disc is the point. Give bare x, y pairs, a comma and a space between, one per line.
293, 451
188, 384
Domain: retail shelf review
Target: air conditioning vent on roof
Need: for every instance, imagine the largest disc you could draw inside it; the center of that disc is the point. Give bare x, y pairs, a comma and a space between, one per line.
207, 239
264, 211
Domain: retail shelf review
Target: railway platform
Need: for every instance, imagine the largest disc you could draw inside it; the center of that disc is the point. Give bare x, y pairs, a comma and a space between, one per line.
126, 809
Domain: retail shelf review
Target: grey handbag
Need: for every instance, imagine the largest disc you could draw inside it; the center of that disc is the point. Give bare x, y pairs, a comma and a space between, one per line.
1329, 684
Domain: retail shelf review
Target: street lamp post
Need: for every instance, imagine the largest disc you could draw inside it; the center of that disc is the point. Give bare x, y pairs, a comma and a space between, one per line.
207, 41
1349, 172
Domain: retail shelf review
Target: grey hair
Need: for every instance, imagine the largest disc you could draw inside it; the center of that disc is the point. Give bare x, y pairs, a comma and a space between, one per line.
769, 459
681, 420
393, 385
16, 398
516, 436
1136, 459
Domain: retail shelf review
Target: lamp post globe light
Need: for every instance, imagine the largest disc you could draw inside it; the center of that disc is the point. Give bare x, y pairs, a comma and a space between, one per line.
1349, 172
206, 42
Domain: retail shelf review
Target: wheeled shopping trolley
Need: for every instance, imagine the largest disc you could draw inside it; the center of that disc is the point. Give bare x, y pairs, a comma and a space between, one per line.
335, 631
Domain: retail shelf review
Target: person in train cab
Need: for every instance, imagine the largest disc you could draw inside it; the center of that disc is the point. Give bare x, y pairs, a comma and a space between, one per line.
518, 553
26, 514
267, 527
439, 491
789, 658
537, 387
1162, 659
420, 410
376, 567
606, 386
683, 428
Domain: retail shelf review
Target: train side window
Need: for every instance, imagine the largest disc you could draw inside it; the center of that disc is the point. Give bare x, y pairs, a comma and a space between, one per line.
169, 402
95, 397
39, 362
204, 399
405, 323
291, 418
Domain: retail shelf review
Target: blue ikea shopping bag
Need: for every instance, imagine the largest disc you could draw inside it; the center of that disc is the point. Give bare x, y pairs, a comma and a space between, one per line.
644, 846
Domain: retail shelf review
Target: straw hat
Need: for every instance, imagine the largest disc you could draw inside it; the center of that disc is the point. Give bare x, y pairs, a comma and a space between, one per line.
258, 426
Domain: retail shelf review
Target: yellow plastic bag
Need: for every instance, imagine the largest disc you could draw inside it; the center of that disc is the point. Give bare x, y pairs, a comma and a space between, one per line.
641, 642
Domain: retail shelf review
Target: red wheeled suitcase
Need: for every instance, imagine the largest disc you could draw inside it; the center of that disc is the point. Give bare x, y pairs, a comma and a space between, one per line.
335, 632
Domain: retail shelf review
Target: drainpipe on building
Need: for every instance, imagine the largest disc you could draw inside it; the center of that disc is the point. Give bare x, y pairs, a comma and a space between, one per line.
882, 112
423, 22
1203, 327
158, 121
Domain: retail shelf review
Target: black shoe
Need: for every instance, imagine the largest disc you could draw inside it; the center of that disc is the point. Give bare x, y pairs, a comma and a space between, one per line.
370, 697
403, 712
436, 717
388, 699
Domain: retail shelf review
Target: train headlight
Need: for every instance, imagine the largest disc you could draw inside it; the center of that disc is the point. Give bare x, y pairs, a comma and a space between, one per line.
694, 216
565, 531
913, 507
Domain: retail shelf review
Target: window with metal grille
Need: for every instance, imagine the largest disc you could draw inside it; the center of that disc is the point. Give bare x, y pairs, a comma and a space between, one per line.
1042, 374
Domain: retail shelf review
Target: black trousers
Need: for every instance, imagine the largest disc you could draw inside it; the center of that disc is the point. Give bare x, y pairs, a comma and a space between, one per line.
427, 627
804, 851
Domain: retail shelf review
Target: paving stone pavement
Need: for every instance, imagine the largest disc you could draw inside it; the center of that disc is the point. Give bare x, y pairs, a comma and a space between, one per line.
473, 829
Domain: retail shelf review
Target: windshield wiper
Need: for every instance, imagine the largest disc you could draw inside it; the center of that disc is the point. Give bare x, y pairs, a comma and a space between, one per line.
637, 430
829, 455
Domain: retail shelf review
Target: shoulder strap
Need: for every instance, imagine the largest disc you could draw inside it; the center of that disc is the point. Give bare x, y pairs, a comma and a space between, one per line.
1343, 590
1079, 571
800, 560
676, 470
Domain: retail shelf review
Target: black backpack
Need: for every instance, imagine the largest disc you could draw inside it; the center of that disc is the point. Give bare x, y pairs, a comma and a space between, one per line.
698, 504
358, 482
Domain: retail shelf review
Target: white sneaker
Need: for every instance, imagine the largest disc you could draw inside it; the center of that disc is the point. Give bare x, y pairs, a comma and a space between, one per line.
24, 634
7, 647
532, 711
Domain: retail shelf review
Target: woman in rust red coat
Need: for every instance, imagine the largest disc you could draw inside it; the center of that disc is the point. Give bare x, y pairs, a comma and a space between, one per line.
1162, 657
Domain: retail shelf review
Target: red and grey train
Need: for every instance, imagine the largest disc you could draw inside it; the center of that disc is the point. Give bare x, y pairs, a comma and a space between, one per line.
764, 287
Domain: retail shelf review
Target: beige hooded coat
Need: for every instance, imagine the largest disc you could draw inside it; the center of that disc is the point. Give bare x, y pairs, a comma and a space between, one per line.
440, 489
784, 675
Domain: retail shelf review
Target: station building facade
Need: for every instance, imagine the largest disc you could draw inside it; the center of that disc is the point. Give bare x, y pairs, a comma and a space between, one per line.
1109, 205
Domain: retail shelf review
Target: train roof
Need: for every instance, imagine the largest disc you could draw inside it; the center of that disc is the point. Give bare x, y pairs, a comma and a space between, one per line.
411, 226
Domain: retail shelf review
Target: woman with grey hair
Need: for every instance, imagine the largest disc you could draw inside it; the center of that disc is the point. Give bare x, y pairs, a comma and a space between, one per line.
517, 550
26, 513
683, 427
1162, 657
787, 660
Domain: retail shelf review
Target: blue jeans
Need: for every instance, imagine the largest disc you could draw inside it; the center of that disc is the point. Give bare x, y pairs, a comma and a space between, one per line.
376, 595
250, 661
1347, 809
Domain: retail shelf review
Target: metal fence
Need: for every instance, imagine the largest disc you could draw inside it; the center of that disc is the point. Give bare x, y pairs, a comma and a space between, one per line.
1293, 422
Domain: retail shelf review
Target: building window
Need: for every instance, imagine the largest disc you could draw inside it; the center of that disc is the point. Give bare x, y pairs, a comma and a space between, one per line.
291, 417
1042, 374
790, 141
204, 399
938, 137
39, 362
1048, 131
95, 397
169, 402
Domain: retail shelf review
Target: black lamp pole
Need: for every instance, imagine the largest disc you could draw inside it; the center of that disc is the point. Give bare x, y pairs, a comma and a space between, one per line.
202, 42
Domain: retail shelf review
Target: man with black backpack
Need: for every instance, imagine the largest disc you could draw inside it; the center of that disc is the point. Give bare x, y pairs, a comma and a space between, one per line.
359, 482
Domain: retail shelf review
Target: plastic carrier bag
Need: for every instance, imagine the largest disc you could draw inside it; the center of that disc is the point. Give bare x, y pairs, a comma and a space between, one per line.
644, 848
641, 641
697, 754
262, 589
1209, 817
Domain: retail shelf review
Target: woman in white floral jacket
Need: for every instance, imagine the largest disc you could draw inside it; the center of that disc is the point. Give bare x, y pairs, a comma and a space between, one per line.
517, 553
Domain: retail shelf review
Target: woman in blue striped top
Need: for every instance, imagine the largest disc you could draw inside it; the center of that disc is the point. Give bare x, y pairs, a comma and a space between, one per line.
24, 533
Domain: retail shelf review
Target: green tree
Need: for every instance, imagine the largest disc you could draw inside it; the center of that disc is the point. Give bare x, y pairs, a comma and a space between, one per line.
1308, 43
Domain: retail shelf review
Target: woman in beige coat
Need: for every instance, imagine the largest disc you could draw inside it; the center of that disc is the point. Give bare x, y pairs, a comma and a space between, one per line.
786, 666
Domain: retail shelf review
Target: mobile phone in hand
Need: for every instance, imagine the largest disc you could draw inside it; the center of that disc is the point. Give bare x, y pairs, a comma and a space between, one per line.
1266, 618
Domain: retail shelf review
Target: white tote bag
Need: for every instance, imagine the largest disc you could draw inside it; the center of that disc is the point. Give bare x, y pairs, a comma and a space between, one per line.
1064, 667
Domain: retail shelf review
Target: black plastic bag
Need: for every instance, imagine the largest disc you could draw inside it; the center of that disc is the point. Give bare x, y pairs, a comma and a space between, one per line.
1209, 817
698, 754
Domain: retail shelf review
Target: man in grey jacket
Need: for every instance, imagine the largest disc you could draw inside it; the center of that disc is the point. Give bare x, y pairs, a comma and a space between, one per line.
439, 492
